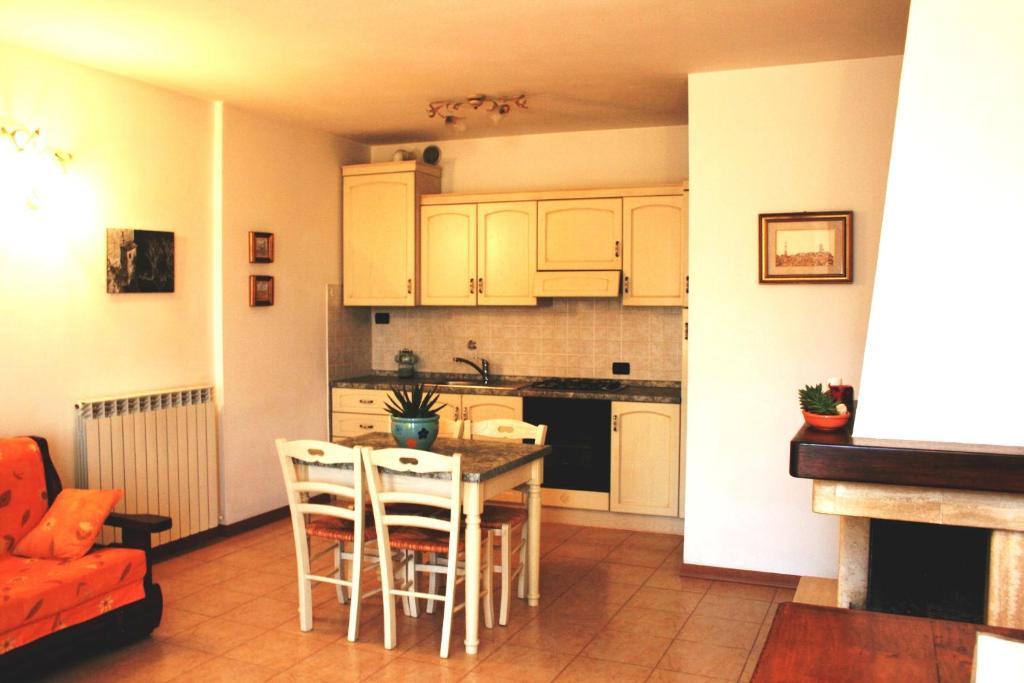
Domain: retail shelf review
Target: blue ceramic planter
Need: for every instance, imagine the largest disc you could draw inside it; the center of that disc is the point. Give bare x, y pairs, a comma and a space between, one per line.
414, 432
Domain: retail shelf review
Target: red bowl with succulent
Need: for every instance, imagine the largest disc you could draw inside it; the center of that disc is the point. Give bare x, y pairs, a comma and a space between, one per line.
826, 423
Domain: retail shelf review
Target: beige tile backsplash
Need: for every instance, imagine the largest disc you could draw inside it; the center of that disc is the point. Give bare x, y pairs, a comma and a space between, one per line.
562, 337
348, 337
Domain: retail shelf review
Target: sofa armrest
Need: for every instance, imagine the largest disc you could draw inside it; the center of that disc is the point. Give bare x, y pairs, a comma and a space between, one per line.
150, 523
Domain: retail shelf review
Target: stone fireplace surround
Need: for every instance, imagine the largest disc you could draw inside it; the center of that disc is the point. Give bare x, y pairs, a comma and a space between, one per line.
934, 483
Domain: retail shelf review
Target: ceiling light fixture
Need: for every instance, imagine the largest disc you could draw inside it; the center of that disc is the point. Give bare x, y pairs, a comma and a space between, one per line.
496, 108
29, 169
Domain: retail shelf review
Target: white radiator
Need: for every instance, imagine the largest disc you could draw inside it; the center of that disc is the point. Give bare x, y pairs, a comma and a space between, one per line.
161, 448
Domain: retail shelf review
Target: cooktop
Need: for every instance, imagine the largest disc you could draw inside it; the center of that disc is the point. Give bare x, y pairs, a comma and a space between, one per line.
578, 384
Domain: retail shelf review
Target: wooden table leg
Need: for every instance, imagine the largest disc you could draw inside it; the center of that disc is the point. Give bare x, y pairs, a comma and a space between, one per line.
472, 507
533, 509
1006, 580
854, 539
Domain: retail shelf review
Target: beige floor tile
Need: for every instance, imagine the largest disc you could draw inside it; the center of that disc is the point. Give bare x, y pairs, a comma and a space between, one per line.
522, 664
665, 676
410, 631
682, 602
224, 670
670, 579
278, 650
339, 661
154, 661
577, 608
175, 621
214, 601
583, 551
263, 611
619, 573
561, 532
607, 592
175, 588
742, 590
650, 621
209, 573
644, 557
726, 607
704, 659
175, 565
587, 670
630, 648
599, 536
725, 632
652, 541
403, 670
256, 583
556, 634
216, 636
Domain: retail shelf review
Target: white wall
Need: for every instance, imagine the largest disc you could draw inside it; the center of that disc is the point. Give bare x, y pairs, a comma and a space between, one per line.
557, 161
943, 359
795, 138
142, 160
285, 179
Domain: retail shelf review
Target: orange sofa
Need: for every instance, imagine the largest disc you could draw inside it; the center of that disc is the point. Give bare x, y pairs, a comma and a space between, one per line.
52, 609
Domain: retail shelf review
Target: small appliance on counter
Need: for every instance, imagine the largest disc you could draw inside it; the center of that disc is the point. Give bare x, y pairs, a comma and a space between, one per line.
406, 360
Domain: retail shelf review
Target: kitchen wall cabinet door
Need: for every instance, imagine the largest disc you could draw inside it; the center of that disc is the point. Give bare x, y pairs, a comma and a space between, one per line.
448, 255
579, 234
654, 237
506, 253
380, 231
645, 458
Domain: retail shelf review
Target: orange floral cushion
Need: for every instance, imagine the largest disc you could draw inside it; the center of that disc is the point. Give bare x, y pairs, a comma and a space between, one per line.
70, 526
23, 497
41, 596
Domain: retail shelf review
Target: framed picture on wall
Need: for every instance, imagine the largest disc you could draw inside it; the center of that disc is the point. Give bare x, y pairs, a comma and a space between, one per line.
806, 247
261, 290
261, 247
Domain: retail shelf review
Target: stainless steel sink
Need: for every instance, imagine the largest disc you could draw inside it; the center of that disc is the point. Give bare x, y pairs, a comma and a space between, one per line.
476, 385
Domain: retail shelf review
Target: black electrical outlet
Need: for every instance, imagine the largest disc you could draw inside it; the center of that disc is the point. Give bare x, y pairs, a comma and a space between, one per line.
620, 368
382, 318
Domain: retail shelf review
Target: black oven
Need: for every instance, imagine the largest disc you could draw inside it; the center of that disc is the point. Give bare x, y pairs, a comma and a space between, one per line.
579, 433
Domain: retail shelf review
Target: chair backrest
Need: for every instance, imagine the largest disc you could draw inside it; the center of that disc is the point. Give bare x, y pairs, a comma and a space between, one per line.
449, 428
502, 428
303, 481
388, 488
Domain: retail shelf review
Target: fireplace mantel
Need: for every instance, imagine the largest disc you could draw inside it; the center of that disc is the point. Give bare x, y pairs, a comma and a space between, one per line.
933, 483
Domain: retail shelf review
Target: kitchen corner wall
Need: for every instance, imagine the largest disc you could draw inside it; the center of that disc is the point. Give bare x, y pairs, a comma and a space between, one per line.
563, 337
348, 337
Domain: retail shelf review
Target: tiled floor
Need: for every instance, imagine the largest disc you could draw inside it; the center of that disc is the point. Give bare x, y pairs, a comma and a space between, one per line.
613, 608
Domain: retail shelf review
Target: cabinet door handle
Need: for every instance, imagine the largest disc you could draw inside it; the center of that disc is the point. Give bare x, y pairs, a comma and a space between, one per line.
479, 285
687, 284
617, 244
370, 427
408, 286
456, 415
625, 284
615, 423
367, 401
465, 413
472, 288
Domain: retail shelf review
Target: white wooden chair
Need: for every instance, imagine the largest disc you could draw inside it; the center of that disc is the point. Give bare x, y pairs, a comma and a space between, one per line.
342, 523
501, 521
406, 527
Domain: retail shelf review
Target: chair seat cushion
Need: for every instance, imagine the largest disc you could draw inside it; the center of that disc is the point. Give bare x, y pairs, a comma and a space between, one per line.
420, 540
337, 529
38, 597
497, 516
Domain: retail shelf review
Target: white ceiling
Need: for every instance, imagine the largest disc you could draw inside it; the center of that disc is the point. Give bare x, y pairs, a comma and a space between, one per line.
366, 69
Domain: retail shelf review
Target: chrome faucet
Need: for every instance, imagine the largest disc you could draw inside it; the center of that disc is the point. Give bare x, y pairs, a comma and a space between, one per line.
484, 368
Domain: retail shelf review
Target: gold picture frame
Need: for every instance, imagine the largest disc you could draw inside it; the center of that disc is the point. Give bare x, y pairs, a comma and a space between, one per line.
261, 290
261, 247
805, 247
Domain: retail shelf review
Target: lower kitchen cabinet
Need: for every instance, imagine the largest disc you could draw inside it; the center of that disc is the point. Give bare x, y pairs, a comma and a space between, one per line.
645, 458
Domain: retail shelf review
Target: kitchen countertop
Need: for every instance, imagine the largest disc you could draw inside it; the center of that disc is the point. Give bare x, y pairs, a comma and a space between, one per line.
639, 391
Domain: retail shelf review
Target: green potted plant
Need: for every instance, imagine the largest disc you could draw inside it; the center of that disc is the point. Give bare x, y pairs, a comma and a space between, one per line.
414, 416
821, 410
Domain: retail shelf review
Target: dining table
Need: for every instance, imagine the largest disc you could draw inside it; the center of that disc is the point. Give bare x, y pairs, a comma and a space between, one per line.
489, 468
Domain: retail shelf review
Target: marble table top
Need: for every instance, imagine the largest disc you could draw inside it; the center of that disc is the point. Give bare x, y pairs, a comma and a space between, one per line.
481, 460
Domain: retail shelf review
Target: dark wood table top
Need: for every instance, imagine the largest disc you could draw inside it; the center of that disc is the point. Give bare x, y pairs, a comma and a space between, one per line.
840, 456
481, 460
812, 644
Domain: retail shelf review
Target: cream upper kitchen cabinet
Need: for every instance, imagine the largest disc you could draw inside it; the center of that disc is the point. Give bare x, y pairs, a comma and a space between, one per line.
654, 234
380, 228
645, 458
448, 275
482, 254
579, 234
506, 253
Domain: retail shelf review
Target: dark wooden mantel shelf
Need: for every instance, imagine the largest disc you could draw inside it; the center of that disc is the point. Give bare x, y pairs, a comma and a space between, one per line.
839, 456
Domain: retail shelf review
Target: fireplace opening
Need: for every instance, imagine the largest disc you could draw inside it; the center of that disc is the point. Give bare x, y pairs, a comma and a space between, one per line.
928, 570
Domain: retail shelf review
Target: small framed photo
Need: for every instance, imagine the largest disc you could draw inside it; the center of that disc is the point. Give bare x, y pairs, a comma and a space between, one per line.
261, 247
806, 247
261, 290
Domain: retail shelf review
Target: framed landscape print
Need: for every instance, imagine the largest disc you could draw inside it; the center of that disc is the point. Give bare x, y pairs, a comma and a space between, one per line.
139, 261
261, 247
261, 290
806, 247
